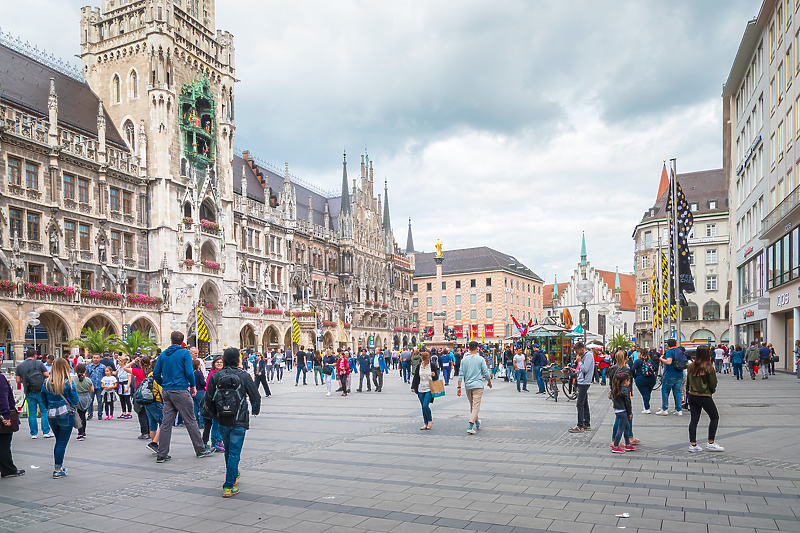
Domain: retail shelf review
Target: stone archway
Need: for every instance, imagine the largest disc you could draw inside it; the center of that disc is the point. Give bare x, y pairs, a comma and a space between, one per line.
270, 339
8, 334
287, 340
327, 340
247, 338
146, 327
56, 330
100, 320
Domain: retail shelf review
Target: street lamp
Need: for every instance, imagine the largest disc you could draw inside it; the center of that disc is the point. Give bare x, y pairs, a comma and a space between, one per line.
257, 333
616, 321
33, 321
584, 296
603, 312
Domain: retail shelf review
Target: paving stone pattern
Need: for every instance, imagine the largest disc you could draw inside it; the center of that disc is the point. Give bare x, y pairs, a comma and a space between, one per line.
313, 463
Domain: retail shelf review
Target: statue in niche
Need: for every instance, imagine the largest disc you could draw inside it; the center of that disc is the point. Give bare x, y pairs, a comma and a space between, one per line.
101, 251
53, 243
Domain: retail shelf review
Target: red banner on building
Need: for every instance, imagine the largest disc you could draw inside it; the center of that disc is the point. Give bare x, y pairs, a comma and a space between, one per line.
488, 330
459, 331
474, 331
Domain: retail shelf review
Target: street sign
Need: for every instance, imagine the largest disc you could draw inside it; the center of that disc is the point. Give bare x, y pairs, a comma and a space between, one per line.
371, 341
584, 318
125, 330
671, 334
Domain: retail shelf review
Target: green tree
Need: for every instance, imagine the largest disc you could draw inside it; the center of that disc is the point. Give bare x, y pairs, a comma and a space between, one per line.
95, 341
137, 342
621, 341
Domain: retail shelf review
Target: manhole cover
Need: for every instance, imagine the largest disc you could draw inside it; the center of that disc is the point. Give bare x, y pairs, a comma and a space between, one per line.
753, 405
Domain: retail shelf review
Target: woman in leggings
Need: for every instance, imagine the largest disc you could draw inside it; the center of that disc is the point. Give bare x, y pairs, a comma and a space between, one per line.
701, 385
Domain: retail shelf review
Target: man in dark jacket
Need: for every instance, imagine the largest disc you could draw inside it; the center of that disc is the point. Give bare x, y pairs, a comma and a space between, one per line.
233, 428
508, 363
174, 373
539, 360
364, 370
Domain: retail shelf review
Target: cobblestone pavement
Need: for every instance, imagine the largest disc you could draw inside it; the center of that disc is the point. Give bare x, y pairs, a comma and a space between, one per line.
313, 463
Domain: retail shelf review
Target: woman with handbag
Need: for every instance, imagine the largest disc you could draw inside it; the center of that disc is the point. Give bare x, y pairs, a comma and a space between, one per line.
342, 370
425, 372
10, 424
328, 363
59, 398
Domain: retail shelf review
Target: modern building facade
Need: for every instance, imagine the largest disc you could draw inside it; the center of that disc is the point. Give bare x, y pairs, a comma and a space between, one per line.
706, 317
746, 135
124, 204
481, 289
780, 218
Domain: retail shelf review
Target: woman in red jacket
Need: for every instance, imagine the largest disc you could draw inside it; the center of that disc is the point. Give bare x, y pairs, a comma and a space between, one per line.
602, 362
342, 369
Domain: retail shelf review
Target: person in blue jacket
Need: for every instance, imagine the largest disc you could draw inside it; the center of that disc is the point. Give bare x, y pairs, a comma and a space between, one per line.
379, 368
539, 361
446, 360
737, 360
60, 398
365, 370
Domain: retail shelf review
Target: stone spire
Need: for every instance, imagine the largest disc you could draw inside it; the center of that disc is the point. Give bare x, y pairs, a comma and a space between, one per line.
583, 250
617, 288
52, 106
409, 239
101, 130
387, 221
555, 288
345, 207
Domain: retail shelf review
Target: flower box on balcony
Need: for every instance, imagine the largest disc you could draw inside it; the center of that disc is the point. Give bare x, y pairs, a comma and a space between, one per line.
347, 325
398, 329
211, 265
101, 295
303, 314
143, 299
209, 306
207, 224
246, 309
385, 306
368, 302
6, 285
273, 311
328, 324
49, 289
188, 263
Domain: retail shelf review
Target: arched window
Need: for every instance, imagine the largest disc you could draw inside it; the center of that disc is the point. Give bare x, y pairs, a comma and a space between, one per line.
689, 312
134, 84
187, 210
130, 134
188, 252
704, 335
117, 96
711, 311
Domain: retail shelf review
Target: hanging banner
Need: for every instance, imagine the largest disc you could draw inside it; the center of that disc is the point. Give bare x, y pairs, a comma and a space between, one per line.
458, 331
489, 330
474, 329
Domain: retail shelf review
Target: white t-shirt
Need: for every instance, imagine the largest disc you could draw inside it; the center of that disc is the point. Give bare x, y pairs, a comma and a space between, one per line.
425, 377
108, 381
519, 359
718, 353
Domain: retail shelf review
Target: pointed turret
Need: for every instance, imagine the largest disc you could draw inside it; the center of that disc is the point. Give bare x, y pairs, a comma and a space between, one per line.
583, 250
617, 288
409, 239
387, 221
555, 288
345, 207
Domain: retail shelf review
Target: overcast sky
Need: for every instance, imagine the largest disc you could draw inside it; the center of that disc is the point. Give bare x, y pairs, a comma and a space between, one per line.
510, 124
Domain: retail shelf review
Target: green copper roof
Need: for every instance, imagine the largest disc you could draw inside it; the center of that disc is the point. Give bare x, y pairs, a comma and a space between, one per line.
617, 287
583, 249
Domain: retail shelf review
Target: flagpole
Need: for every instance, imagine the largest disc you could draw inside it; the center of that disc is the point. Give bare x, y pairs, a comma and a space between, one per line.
673, 164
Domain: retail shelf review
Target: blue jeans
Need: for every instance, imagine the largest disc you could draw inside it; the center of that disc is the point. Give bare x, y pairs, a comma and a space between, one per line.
198, 400
233, 438
521, 375
645, 385
737, 370
406, 371
446, 374
216, 436
603, 372
62, 429
621, 428
302, 369
425, 399
34, 400
628, 427
671, 384
537, 371
155, 413
98, 395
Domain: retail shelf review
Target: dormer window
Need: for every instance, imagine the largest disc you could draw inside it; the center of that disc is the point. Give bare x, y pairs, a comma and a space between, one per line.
712, 204
693, 206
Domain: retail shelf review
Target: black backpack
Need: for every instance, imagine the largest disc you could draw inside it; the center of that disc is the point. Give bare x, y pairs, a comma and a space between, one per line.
679, 360
34, 379
228, 400
143, 394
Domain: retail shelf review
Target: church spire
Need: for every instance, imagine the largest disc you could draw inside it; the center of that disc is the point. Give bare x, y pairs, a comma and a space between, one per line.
387, 222
617, 288
409, 239
345, 207
583, 249
555, 287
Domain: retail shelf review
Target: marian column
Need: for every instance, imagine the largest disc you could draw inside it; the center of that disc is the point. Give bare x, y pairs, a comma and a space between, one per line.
439, 315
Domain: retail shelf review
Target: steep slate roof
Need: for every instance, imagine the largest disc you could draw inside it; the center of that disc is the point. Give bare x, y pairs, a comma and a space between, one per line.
699, 187
471, 260
255, 191
25, 83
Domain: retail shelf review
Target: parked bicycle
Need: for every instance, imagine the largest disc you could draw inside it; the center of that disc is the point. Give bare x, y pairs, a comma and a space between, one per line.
569, 383
551, 380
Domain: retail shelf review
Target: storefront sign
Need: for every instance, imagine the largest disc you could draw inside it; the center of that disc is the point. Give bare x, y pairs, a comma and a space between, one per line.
458, 331
748, 155
782, 299
749, 313
474, 331
488, 330
748, 251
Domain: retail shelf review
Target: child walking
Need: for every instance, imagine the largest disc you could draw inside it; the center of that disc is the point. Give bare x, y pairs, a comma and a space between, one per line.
621, 394
124, 388
85, 390
109, 384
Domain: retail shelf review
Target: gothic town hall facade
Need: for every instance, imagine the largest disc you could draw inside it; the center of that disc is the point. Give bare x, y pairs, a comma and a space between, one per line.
123, 204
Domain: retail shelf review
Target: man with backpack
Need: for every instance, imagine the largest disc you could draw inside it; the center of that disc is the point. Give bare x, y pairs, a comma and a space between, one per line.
174, 373
675, 362
226, 400
31, 374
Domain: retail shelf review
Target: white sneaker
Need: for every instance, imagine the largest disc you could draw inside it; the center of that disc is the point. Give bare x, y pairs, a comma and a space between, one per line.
471, 431
48, 435
695, 448
714, 447
662, 413
34, 436
646, 412
328, 393
679, 413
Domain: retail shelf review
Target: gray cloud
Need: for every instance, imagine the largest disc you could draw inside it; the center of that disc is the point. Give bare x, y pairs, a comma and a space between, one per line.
512, 124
